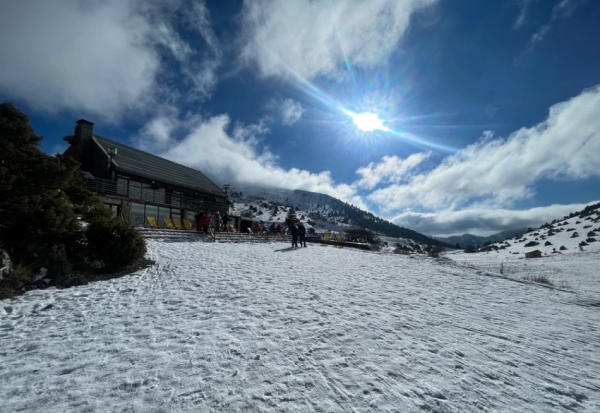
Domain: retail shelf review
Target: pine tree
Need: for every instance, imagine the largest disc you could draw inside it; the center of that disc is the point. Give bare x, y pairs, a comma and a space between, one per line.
291, 217
34, 206
41, 199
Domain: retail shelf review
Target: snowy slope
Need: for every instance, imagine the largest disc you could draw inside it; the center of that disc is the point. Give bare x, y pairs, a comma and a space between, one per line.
262, 328
574, 267
321, 212
321, 222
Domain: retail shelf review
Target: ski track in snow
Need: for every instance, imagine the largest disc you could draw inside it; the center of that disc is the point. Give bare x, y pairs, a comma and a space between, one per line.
263, 328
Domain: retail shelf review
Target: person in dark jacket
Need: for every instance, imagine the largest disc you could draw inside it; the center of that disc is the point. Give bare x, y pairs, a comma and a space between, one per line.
302, 234
197, 219
294, 230
225, 219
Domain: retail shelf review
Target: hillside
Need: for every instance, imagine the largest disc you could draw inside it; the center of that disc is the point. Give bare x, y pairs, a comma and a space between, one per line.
466, 240
318, 211
569, 246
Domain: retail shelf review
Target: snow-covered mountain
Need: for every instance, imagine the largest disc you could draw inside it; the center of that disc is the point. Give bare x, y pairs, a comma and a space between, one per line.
576, 232
569, 251
319, 212
466, 240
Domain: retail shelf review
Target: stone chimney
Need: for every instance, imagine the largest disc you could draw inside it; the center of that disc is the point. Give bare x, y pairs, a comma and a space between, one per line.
83, 130
80, 141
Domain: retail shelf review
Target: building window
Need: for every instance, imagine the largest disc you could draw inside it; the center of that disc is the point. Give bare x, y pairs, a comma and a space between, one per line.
162, 214
135, 190
152, 211
122, 186
136, 216
191, 215
159, 195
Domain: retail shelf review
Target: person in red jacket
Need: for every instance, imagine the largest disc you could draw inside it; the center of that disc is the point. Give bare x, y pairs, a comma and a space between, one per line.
205, 222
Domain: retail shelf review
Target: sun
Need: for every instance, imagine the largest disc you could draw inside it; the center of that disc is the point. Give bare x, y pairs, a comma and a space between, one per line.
367, 121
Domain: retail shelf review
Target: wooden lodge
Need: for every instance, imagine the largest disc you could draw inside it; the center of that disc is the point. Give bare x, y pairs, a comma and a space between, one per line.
135, 184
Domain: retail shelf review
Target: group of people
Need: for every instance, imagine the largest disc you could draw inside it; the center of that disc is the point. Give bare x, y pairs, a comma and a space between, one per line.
276, 229
298, 231
204, 219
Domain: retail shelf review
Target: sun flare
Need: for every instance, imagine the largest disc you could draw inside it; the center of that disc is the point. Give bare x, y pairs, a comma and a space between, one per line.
367, 121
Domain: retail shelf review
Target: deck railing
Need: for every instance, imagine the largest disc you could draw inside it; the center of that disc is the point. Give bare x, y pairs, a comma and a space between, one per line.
159, 197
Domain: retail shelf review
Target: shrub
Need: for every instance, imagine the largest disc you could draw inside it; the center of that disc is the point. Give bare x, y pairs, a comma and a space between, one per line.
115, 243
434, 251
363, 235
541, 279
531, 244
16, 279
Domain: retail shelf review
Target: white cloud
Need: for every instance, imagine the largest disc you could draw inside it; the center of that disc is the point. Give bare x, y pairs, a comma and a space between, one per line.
565, 146
156, 134
481, 221
289, 110
97, 57
203, 71
524, 7
231, 153
314, 38
561, 9
390, 169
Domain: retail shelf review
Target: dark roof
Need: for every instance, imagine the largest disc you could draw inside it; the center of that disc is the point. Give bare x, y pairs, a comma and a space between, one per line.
151, 166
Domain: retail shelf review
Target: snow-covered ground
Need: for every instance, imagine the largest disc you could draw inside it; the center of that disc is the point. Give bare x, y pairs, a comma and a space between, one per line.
217, 327
575, 267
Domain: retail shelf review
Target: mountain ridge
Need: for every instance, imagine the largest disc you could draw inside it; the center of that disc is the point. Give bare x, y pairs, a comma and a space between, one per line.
466, 240
324, 211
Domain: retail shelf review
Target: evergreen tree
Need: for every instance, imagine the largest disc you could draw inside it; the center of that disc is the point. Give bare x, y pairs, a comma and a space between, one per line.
35, 209
291, 217
41, 200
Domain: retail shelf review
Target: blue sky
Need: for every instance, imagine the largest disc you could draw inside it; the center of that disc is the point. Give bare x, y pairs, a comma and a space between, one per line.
490, 110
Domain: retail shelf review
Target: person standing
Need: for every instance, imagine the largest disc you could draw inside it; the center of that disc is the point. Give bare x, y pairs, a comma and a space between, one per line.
217, 221
197, 219
205, 222
225, 220
302, 234
294, 230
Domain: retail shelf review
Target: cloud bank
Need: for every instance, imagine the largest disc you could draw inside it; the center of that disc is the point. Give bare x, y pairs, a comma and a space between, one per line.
482, 221
501, 171
390, 169
231, 153
313, 38
102, 57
